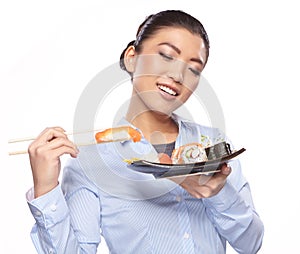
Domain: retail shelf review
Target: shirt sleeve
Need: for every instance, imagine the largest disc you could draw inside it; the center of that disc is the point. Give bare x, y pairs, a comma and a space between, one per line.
66, 222
232, 213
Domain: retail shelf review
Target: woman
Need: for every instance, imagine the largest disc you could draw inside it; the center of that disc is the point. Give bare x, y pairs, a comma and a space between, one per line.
134, 212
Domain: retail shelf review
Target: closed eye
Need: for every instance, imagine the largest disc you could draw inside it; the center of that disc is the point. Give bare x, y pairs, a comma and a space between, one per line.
195, 72
166, 57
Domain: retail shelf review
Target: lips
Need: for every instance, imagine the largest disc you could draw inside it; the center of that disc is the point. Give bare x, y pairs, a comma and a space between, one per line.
167, 89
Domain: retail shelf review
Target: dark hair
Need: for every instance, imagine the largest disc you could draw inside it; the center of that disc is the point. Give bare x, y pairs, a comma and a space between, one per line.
169, 18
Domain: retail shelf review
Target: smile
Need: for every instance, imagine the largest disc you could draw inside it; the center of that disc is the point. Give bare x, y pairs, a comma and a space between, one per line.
167, 90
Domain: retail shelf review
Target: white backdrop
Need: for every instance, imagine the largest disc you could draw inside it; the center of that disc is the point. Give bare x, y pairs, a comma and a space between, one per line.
50, 50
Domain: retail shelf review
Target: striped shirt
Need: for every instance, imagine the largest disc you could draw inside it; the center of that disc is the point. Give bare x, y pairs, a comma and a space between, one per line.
100, 195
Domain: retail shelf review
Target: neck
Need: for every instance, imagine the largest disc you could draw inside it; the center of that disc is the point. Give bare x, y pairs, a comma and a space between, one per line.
157, 128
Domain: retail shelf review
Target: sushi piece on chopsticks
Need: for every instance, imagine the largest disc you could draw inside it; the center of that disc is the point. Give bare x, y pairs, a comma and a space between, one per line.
116, 134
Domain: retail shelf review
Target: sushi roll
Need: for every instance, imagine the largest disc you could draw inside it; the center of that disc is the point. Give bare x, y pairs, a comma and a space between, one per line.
218, 150
189, 153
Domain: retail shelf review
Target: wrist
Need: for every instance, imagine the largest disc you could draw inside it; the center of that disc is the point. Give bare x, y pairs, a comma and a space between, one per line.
42, 189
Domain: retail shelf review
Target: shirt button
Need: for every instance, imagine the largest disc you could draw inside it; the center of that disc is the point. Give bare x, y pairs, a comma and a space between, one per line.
178, 198
186, 235
53, 208
51, 251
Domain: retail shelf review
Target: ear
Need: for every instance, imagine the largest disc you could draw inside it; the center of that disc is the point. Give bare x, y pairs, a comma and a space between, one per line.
129, 59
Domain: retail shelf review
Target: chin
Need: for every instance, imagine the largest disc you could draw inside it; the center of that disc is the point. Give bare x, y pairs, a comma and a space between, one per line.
165, 108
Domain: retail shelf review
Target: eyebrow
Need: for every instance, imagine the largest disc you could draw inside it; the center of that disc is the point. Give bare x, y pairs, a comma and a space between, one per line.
198, 60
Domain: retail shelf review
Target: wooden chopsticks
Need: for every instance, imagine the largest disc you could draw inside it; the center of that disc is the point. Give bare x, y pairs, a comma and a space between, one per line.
26, 139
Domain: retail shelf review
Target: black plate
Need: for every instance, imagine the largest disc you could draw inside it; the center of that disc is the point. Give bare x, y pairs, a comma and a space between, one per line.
161, 170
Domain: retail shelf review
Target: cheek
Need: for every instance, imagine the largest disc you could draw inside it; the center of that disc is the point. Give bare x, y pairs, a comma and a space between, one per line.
142, 83
189, 86
186, 93
190, 83
149, 65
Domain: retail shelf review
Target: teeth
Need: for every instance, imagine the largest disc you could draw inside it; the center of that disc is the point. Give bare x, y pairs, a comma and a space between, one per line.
167, 90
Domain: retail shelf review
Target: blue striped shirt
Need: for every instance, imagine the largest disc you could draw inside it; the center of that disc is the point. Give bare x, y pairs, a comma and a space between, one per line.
136, 213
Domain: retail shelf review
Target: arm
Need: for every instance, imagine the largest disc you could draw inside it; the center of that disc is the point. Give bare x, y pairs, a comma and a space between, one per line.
61, 217
233, 214
54, 230
227, 198
66, 222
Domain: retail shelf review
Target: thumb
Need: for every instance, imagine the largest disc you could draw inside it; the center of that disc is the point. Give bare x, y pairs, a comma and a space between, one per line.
225, 169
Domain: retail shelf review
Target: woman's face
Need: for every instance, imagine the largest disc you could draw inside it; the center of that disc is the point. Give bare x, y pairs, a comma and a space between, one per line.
168, 68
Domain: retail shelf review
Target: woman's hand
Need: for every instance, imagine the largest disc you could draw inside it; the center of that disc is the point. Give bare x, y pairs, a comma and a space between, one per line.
44, 155
203, 186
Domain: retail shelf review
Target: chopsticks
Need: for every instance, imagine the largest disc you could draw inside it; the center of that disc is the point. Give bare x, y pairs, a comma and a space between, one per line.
26, 151
116, 134
26, 139
17, 140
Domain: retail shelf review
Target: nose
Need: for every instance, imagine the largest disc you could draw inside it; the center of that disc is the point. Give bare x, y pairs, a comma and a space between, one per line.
176, 71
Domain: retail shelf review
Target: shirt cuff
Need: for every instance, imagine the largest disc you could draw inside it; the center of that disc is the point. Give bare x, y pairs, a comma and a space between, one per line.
226, 197
48, 209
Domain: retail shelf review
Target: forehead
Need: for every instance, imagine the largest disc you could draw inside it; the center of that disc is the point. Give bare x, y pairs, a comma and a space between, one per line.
182, 38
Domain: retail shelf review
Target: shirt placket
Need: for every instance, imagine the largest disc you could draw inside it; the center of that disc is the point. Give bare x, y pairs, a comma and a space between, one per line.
184, 225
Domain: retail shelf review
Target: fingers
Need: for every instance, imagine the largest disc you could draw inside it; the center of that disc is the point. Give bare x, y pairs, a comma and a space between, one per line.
204, 186
50, 133
225, 171
54, 142
57, 147
44, 154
